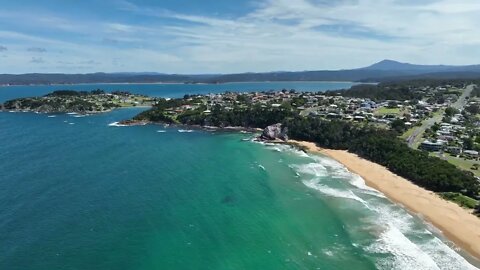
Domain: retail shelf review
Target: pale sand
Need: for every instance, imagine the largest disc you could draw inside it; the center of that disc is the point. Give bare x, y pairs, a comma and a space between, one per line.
456, 223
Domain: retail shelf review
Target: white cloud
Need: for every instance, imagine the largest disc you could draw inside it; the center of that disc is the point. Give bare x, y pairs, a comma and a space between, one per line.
277, 35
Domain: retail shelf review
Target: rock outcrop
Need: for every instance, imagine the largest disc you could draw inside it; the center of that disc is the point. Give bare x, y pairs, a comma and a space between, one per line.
275, 132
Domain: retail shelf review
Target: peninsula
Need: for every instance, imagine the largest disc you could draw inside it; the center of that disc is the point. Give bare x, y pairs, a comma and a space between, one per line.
69, 101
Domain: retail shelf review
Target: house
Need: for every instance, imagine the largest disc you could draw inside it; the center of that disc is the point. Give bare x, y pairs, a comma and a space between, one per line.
471, 154
454, 150
431, 146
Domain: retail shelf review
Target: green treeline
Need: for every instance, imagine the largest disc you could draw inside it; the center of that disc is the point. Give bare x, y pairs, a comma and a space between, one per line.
252, 116
73, 93
383, 147
402, 90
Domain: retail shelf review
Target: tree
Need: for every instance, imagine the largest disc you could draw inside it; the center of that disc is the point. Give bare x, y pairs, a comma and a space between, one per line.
441, 100
450, 111
473, 109
468, 143
398, 125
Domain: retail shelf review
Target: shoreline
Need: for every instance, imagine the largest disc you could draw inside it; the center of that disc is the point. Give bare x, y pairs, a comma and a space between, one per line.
175, 83
456, 223
71, 112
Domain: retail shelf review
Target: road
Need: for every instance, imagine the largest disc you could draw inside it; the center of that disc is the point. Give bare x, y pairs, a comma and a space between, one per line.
417, 133
459, 104
462, 100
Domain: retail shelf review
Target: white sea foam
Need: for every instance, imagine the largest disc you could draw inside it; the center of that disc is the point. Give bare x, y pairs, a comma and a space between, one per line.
71, 123
426, 252
288, 148
185, 130
445, 257
261, 167
401, 242
333, 192
313, 169
404, 254
72, 113
116, 124
338, 170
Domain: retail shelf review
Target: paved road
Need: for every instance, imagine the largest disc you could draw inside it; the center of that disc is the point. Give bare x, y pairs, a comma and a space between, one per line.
462, 100
419, 130
459, 104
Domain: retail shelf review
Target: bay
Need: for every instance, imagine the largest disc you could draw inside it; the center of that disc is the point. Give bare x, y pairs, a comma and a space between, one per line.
78, 193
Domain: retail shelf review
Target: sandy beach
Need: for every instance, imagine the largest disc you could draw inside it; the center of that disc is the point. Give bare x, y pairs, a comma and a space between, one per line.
455, 222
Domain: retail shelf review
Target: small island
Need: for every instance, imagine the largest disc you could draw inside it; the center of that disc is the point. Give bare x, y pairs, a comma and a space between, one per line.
81, 102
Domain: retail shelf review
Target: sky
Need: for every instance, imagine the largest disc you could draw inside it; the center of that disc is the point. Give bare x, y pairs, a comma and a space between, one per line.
229, 36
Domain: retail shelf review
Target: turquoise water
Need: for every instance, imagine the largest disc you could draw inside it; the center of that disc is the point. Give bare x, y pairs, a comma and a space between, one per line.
172, 90
77, 193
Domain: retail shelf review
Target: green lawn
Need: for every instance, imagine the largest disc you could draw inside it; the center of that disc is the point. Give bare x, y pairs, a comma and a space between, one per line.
385, 110
464, 164
407, 133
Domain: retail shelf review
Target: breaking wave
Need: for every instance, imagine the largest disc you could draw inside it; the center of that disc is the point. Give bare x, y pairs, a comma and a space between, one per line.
399, 240
116, 124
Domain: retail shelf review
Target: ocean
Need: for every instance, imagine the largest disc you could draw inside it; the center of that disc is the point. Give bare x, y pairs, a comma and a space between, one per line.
81, 193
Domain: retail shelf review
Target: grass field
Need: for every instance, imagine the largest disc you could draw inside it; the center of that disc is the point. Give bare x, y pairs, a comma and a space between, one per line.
464, 164
407, 133
385, 110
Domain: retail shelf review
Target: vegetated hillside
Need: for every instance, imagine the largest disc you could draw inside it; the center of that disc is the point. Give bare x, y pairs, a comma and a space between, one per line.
42, 78
386, 70
397, 90
397, 66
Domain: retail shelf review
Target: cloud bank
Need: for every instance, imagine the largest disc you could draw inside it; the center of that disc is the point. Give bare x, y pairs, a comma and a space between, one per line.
270, 35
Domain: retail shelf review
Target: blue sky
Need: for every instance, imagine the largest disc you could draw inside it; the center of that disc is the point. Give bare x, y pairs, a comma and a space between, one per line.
224, 36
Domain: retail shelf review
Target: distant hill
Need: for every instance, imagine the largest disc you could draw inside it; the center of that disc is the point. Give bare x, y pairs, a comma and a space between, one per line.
381, 71
50, 78
386, 70
391, 65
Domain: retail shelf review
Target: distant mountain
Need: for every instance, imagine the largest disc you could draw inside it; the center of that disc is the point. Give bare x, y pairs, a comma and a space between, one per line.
381, 71
391, 65
386, 70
